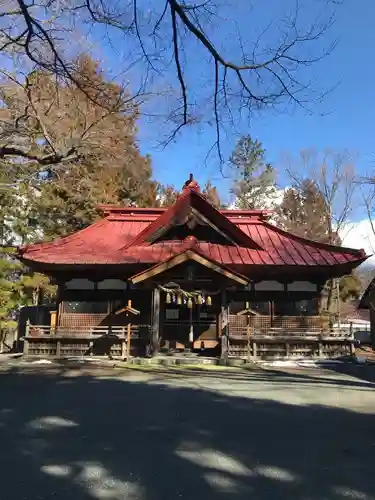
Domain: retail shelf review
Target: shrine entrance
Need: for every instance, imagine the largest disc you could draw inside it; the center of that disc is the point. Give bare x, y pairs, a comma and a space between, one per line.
189, 303
189, 324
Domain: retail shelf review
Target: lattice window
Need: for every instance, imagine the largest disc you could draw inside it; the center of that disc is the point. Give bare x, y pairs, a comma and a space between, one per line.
73, 320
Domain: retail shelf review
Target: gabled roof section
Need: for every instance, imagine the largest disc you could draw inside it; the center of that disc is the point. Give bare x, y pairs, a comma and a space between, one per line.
193, 207
188, 255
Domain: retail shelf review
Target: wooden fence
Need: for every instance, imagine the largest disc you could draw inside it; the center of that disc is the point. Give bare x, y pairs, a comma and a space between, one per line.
249, 337
256, 337
121, 341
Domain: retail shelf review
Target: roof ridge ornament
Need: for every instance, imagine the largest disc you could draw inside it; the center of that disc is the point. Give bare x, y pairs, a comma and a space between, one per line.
191, 185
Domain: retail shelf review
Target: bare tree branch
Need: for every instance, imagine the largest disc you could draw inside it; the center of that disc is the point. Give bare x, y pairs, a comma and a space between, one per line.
51, 159
178, 66
333, 173
256, 74
368, 196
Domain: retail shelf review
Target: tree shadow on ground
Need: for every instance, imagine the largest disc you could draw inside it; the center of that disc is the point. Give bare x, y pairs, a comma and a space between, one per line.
84, 437
298, 376
364, 372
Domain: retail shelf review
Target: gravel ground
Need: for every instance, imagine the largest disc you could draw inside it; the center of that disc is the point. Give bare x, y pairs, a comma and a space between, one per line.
83, 433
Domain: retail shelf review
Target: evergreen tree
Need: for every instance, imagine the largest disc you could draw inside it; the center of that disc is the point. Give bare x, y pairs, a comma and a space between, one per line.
10, 288
254, 185
18, 287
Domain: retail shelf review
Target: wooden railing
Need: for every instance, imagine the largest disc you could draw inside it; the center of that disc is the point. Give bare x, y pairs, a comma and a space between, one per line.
63, 341
301, 333
245, 342
262, 336
35, 331
292, 343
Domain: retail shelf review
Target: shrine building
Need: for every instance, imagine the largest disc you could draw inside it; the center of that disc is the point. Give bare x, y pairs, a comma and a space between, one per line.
187, 278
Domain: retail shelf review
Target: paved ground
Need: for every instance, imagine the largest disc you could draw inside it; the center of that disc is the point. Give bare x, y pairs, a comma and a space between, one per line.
107, 434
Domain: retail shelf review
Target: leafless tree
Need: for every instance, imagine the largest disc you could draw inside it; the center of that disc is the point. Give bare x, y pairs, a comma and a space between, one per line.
46, 124
334, 175
367, 188
211, 58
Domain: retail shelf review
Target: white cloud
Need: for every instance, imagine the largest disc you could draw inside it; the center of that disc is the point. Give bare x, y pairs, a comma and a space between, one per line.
359, 235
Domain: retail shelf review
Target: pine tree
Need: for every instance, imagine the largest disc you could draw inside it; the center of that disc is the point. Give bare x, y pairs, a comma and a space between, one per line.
18, 287
254, 185
10, 290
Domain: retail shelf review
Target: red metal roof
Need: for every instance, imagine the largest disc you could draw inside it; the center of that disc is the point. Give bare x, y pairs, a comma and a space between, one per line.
110, 241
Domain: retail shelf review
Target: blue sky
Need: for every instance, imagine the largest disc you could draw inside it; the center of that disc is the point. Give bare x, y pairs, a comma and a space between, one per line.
347, 124
344, 121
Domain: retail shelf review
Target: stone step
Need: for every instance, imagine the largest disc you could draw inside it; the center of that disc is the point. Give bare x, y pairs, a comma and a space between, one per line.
175, 360
186, 360
179, 354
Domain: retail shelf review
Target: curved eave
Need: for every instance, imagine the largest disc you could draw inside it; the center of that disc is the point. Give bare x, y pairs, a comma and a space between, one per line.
359, 254
81, 268
334, 270
63, 240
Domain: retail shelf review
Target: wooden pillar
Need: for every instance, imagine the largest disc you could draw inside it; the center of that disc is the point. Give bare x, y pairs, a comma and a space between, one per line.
58, 347
352, 340
224, 325
191, 330
155, 322
26, 342
255, 351
272, 312
59, 300
352, 348
287, 349
320, 347
128, 336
